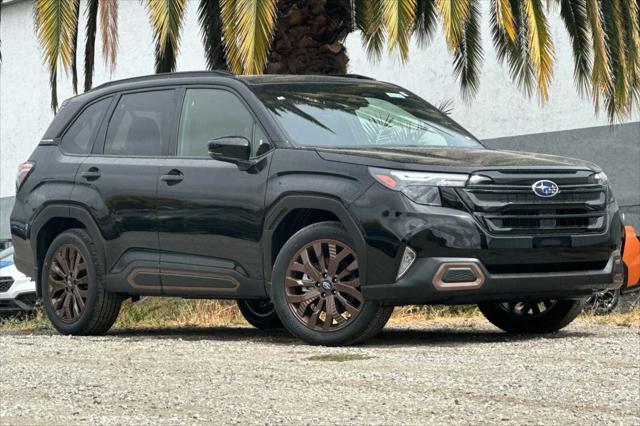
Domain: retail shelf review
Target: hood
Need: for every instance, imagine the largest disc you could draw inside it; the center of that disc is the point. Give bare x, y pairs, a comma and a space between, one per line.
450, 159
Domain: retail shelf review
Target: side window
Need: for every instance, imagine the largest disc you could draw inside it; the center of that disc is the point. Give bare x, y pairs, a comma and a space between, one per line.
141, 124
77, 139
209, 114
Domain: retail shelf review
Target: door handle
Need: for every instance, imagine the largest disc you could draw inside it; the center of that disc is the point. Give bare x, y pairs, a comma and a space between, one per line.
173, 177
92, 173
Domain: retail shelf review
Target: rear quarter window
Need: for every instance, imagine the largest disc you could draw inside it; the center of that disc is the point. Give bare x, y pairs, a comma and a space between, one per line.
78, 139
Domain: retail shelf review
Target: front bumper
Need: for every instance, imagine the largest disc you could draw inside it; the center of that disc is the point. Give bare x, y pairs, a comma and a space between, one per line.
21, 297
420, 284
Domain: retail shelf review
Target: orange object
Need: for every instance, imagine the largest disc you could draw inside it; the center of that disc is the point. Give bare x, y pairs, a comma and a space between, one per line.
631, 256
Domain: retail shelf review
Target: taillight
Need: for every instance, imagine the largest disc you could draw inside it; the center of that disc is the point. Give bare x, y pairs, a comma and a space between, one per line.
23, 171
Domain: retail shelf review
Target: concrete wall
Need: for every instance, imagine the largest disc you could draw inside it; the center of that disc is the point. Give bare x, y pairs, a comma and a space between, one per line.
499, 109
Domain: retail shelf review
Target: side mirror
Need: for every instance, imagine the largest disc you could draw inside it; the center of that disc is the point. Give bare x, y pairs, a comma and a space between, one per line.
232, 149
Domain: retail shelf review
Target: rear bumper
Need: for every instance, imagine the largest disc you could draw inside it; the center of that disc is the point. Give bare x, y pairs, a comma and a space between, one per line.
422, 284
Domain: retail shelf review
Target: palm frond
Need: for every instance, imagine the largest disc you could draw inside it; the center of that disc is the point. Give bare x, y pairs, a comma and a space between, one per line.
515, 53
74, 63
454, 15
425, 21
574, 15
55, 25
166, 18
90, 42
540, 45
600, 73
398, 17
369, 20
617, 93
631, 30
504, 20
468, 56
209, 19
108, 11
248, 26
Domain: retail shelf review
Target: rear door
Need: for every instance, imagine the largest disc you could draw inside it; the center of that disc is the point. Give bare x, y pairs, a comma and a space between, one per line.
119, 182
210, 212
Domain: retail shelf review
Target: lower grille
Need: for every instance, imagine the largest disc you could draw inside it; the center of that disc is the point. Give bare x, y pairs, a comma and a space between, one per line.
5, 284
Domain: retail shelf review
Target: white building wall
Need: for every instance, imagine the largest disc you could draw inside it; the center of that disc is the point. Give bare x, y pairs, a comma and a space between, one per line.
499, 109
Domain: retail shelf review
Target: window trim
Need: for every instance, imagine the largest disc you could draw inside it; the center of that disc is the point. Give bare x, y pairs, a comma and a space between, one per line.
173, 148
99, 151
96, 131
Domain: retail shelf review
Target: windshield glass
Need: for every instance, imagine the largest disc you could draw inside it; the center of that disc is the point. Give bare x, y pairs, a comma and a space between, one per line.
366, 115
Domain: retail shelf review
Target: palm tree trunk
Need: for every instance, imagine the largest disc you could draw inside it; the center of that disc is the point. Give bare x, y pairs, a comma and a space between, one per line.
310, 36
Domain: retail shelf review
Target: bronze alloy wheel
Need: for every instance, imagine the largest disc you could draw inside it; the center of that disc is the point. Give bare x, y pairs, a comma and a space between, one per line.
68, 283
528, 309
322, 286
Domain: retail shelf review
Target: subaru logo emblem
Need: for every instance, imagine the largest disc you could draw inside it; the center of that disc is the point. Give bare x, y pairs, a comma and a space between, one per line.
545, 188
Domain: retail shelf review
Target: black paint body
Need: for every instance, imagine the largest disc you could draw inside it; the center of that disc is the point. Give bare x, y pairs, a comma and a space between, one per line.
216, 230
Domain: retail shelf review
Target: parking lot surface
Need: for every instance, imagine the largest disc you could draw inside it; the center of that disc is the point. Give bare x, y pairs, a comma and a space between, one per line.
467, 373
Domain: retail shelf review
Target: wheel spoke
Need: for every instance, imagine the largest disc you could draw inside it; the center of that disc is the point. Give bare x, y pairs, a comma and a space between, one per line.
347, 305
292, 282
309, 268
56, 284
317, 249
76, 292
55, 267
313, 319
349, 290
61, 257
304, 297
349, 269
335, 261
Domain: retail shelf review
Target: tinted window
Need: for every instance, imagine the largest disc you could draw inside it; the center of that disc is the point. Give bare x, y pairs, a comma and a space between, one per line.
78, 138
209, 114
347, 115
141, 124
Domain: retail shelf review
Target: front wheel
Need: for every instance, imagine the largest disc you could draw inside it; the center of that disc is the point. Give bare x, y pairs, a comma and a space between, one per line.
544, 316
260, 313
317, 290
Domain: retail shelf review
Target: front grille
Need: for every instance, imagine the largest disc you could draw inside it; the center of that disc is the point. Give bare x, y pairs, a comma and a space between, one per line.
5, 284
508, 205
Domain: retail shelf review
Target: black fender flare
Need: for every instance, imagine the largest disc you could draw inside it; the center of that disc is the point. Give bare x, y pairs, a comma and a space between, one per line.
279, 210
53, 211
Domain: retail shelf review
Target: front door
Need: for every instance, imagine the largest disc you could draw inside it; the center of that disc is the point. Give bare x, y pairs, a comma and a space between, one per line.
210, 213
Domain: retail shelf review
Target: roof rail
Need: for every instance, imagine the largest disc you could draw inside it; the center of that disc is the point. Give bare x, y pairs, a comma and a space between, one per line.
359, 76
221, 73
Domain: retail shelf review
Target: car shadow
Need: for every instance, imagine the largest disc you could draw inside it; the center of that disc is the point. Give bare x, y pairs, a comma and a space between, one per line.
387, 338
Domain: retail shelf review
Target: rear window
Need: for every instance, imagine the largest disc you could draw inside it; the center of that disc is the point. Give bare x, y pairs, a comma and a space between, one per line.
141, 124
78, 139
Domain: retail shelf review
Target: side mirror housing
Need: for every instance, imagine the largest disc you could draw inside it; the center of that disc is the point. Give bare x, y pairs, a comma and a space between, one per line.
232, 149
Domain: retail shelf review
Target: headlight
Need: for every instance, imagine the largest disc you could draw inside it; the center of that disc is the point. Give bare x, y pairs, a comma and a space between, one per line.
601, 178
422, 188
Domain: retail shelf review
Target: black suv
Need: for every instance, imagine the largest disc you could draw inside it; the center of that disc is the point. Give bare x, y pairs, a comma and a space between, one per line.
317, 202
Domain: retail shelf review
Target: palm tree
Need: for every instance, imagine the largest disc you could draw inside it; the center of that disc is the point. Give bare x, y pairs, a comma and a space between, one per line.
307, 36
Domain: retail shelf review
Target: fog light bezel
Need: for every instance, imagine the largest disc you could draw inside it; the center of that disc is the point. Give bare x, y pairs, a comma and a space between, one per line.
409, 257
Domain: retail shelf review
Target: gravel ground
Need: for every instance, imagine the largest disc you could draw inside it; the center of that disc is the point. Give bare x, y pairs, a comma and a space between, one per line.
415, 374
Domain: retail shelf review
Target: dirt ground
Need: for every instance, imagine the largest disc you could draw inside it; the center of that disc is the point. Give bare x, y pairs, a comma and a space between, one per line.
418, 373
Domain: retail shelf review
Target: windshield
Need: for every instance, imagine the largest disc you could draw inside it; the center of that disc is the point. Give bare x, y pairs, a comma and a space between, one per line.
365, 115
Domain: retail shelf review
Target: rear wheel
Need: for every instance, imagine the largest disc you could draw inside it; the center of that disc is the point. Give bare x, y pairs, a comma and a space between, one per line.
603, 302
317, 289
73, 295
544, 316
260, 313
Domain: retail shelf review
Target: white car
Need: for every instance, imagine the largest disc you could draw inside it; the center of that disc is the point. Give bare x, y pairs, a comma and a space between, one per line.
17, 291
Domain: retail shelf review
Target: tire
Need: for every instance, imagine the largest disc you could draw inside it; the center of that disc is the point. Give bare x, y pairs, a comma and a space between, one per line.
603, 302
260, 313
546, 316
300, 299
101, 307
